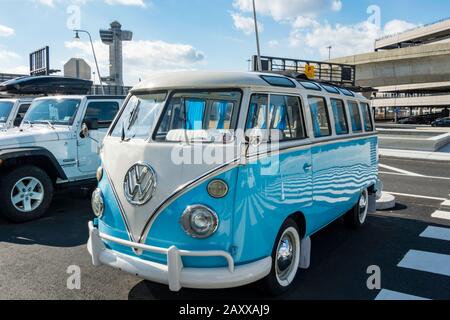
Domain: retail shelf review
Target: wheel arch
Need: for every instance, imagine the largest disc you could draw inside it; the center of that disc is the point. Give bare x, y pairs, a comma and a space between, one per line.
38, 157
300, 220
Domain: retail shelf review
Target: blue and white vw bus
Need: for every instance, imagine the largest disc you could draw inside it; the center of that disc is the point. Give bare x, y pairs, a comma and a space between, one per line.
218, 180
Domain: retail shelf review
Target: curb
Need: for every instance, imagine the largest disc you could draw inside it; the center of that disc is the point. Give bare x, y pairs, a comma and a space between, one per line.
386, 202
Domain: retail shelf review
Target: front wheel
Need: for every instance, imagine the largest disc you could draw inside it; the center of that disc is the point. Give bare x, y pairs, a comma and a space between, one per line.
26, 193
285, 260
357, 217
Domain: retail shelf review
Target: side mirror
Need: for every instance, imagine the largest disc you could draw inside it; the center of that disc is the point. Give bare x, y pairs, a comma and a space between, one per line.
255, 137
84, 133
92, 124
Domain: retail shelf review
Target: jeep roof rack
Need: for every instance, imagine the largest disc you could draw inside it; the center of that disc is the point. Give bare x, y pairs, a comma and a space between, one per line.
335, 74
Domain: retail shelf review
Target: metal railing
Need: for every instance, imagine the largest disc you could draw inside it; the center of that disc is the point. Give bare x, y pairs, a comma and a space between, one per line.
412, 29
340, 74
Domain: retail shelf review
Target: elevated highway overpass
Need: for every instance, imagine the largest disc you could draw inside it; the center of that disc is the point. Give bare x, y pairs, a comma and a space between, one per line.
404, 66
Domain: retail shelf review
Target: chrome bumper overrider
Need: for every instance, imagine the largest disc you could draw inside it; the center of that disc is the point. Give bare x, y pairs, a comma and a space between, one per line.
174, 274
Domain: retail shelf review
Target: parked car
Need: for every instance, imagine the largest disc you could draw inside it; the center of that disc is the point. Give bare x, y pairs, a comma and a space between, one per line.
410, 120
444, 122
12, 112
218, 180
56, 145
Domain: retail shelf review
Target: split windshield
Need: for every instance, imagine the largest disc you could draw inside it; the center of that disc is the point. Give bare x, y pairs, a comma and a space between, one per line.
5, 110
200, 115
139, 116
53, 111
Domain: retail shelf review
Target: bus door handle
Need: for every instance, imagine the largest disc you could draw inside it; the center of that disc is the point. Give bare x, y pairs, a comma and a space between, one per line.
307, 167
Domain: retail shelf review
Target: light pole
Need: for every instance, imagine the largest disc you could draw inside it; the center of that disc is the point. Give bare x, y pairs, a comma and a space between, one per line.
329, 52
77, 36
258, 48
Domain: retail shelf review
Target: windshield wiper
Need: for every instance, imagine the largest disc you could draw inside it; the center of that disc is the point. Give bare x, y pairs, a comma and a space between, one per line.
46, 122
133, 116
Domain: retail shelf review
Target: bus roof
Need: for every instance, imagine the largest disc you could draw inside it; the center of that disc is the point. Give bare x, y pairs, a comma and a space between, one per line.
224, 80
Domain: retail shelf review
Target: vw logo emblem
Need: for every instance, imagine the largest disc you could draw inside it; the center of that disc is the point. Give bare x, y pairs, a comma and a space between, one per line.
139, 184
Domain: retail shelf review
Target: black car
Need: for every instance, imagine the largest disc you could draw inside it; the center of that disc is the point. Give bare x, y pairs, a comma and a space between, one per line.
444, 122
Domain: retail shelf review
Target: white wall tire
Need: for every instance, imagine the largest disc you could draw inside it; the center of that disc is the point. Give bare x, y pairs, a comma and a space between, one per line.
27, 193
357, 217
285, 260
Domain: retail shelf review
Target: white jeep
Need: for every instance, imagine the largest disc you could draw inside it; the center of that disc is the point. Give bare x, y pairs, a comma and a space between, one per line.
56, 145
12, 112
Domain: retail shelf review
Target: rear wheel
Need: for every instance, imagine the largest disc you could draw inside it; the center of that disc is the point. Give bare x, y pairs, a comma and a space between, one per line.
285, 260
357, 217
26, 194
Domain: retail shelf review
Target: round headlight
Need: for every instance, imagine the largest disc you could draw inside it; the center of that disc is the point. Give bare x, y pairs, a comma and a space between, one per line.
98, 206
99, 174
217, 189
199, 222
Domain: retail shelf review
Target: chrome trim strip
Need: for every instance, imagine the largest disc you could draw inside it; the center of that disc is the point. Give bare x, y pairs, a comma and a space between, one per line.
121, 209
184, 189
230, 165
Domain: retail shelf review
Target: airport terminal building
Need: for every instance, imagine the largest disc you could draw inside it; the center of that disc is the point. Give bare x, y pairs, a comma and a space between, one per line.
411, 72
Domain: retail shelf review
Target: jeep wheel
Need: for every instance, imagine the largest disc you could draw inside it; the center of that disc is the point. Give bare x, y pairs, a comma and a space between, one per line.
27, 193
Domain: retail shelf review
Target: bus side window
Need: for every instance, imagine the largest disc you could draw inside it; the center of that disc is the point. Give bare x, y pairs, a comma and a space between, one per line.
257, 118
320, 116
355, 115
286, 117
367, 115
340, 116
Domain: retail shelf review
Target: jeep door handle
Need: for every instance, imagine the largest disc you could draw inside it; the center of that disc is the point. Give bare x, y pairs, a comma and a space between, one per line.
307, 167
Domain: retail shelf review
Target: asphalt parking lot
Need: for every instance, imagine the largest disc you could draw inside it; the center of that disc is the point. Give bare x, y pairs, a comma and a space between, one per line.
404, 243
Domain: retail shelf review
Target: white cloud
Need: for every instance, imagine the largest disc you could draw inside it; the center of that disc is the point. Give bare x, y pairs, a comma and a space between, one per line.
49, 3
245, 24
336, 5
142, 57
345, 39
288, 10
139, 3
11, 62
6, 31
397, 26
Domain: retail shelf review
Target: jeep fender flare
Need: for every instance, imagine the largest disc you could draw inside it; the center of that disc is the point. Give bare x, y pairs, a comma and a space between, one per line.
27, 153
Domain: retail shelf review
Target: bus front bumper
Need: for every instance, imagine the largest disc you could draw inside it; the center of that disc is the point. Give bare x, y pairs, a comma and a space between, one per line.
174, 274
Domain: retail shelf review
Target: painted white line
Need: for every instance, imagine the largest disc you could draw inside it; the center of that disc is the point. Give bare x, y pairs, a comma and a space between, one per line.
409, 173
396, 296
446, 203
414, 196
427, 262
436, 233
444, 215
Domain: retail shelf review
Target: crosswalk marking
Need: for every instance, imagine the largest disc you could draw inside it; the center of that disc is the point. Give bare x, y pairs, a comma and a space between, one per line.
396, 296
436, 233
427, 262
446, 203
444, 215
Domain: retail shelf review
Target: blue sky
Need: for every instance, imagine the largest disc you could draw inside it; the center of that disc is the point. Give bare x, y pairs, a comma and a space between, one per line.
203, 34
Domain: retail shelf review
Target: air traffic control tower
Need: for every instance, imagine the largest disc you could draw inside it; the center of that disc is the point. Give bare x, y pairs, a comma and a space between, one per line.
113, 37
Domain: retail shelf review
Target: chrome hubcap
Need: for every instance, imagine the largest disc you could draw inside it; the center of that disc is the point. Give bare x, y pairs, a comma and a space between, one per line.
27, 194
363, 206
287, 258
